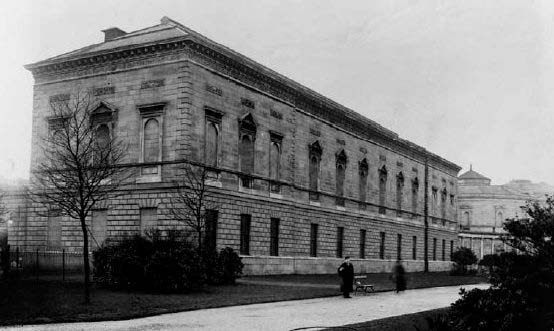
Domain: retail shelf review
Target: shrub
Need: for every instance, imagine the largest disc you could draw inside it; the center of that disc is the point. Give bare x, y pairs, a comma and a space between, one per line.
231, 266
521, 296
223, 267
163, 263
463, 257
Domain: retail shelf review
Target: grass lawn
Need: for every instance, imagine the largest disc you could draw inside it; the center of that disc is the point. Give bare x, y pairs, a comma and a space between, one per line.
28, 301
381, 281
407, 322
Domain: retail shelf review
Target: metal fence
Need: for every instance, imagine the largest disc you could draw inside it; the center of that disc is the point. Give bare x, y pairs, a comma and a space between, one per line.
55, 264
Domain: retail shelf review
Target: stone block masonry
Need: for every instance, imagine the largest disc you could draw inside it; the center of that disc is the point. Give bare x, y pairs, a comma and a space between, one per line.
275, 148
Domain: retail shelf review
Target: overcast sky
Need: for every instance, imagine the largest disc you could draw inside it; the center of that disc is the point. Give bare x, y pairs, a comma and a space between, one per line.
471, 81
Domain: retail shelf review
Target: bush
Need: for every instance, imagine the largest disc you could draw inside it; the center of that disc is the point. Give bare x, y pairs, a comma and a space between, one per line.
521, 296
223, 267
159, 263
231, 266
463, 257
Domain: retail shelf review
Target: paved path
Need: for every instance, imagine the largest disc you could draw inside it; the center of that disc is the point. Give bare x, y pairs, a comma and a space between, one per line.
284, 315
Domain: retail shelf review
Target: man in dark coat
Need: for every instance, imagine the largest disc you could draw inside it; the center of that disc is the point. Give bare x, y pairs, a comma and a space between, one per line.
346, 273
398, 276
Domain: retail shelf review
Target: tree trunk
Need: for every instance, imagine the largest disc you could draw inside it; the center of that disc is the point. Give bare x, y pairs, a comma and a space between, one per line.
86, 261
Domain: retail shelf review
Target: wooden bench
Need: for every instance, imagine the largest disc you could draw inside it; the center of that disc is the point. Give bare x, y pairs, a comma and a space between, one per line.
360, 284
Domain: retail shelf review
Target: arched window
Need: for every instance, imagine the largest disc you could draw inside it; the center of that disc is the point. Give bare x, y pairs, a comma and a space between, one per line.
443, 203
465, 221
102, 138
399, 193
212, 133
362, 188
275, 161
340, 176
415, 192
151, 140
246, 151
500, 219
213, 127
382, 190
151, 133
315, 159
434, 200
247, 136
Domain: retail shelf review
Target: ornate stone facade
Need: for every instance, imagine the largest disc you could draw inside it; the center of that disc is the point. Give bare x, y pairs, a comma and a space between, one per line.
297, 173
484, 208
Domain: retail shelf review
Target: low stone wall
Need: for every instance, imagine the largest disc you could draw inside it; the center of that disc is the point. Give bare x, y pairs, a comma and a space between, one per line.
270, 265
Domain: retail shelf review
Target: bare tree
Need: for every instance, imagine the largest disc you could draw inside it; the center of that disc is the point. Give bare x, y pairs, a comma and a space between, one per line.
79, 165
4, 221
191, 202
3, 208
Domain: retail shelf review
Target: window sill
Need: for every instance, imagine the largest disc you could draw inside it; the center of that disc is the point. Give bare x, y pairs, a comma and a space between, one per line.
275, 195
215, 183
149, 179
341, 208
315, 203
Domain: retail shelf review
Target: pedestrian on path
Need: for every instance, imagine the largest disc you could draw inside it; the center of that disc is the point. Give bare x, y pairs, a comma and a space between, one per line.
346, 273
398, 276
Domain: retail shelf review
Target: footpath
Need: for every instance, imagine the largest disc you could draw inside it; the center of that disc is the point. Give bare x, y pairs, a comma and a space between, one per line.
284, 315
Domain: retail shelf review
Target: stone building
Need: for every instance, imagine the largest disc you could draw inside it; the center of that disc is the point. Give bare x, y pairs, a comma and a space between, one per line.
301, 180
483, 208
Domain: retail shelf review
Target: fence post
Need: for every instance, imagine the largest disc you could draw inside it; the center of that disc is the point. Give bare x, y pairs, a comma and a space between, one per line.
63, 265
36, 266
17, 261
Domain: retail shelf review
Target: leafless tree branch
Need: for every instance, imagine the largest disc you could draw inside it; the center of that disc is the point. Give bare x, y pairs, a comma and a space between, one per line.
77, 168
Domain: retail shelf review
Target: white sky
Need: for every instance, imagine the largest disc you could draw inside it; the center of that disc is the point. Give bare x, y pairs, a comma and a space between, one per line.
471, 81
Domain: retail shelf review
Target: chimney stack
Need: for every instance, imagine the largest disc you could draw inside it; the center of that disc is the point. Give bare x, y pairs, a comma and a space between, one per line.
112, 33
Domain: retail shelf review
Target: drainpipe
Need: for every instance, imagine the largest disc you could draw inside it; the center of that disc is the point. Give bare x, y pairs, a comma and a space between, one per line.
426, 218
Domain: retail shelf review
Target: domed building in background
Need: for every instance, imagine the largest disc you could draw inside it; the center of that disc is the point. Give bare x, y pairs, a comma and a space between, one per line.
483, 208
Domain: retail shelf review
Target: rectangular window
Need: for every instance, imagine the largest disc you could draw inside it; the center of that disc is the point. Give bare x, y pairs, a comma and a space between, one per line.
434, 249
99, 227
148, 219
340, 237
54, 240
362, 243
399, 247
451, 248
245, 220
210, 235
414, 248
444, 250
382, 245
274, 237
313, 240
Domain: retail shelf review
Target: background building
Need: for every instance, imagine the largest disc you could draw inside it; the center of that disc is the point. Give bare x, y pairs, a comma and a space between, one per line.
484, 208
301, 181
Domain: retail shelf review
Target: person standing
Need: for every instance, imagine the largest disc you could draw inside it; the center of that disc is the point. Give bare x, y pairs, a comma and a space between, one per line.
346, 273
398, 276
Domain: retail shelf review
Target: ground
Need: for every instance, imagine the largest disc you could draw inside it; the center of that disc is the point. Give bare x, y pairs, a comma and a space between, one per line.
45, 301
309, 314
